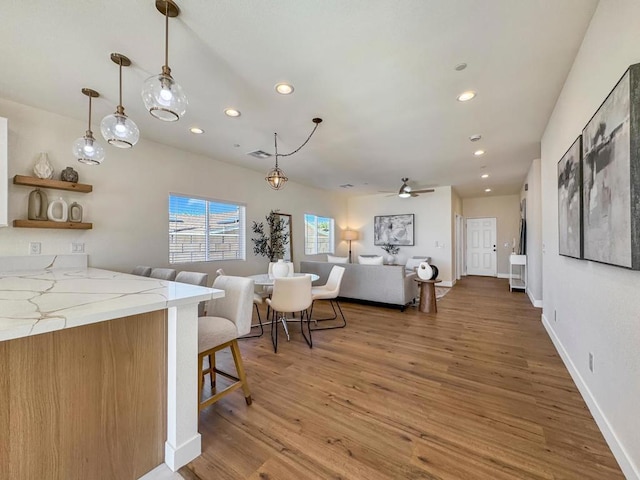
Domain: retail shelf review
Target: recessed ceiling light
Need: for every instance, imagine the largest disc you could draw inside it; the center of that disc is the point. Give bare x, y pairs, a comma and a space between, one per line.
485, 175
466, 96
475, 137
236, 145
196, 130
284, 88
487, 190
231, 112
478, 153
461, 66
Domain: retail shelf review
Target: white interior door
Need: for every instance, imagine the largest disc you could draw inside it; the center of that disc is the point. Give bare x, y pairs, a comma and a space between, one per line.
481, 247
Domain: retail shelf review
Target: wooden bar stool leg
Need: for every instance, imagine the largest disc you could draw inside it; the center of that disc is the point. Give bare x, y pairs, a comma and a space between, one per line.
212, 367
237, 359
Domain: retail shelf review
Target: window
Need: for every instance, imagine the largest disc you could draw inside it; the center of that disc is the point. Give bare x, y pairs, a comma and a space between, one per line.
203, 230
318, 234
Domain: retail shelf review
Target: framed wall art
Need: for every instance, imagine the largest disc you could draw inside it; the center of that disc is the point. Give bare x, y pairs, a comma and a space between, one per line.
570, 201
611, 176
393, 229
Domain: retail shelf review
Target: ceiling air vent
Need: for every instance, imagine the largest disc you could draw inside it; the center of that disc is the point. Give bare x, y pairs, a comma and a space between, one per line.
346, 185
259, 154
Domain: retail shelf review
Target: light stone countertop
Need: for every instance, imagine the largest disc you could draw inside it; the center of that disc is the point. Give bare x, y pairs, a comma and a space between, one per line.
40, 301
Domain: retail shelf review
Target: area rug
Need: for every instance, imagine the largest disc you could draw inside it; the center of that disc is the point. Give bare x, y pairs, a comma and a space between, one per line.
441, 292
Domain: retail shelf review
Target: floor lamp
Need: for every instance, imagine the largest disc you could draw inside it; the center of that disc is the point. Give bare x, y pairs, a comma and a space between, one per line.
349, 235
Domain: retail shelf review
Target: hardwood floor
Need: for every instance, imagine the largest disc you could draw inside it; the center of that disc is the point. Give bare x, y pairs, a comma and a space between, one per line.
476, 391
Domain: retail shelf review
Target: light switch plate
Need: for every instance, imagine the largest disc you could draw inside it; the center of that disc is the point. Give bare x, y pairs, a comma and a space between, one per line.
35, 248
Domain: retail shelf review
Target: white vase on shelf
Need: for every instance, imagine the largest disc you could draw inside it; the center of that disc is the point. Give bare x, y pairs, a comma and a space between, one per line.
280, 269
43, 168
56, 206
389, 259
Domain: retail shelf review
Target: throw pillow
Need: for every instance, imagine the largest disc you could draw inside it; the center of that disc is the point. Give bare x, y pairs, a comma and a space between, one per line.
332, 259
413, 262
370, 260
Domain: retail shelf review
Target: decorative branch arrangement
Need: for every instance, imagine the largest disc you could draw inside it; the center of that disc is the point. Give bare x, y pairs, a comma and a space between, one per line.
390, 249
271, 244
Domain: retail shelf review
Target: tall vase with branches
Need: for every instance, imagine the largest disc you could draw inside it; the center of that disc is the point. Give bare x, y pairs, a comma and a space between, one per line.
270, 241
392, 251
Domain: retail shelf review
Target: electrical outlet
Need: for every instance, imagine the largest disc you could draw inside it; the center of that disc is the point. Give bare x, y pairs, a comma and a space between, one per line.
591, 362
35, 248
77, 247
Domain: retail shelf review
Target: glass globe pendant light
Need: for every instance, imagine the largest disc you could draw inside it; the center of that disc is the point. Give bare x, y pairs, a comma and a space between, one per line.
118, 129
86, 149
161, 95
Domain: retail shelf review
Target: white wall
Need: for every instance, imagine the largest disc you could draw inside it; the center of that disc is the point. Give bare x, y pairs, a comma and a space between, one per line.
456, 210
432, 225
534, 232
506, 210
597, 306
129, 204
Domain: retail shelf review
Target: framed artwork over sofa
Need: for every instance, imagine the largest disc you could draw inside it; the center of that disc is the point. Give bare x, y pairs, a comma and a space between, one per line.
393, 229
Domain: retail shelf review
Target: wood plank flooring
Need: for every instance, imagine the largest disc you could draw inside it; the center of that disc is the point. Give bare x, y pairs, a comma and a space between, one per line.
476, 391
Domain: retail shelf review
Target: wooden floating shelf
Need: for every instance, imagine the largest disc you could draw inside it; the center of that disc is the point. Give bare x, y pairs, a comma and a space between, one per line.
50, 224
46, 183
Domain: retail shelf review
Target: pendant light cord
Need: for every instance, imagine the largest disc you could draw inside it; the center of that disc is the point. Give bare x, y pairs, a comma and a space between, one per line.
120, 66
89, 126
298, 149
275, 141
166, 34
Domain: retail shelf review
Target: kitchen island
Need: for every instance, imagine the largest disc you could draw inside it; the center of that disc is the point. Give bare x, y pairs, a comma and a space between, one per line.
98, 370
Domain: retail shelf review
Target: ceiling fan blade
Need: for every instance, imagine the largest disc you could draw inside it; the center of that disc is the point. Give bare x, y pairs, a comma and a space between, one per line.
425, 190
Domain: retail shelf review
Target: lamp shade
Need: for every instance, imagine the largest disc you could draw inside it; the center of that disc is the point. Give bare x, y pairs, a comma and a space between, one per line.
350, 235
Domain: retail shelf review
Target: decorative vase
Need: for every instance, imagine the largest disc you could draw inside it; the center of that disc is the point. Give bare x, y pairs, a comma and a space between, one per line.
61, 205
75, 212
280, 269
69, 175
43, 168
425, 272
38, 204
389, 259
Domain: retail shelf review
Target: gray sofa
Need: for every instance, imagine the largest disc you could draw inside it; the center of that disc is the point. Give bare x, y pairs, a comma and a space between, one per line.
387, 284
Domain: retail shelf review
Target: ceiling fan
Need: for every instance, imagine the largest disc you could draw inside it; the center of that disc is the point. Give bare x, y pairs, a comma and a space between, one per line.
406, 191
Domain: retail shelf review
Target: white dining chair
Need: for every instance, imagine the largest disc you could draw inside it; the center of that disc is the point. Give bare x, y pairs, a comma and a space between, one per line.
329, 291
227, 319
290, 295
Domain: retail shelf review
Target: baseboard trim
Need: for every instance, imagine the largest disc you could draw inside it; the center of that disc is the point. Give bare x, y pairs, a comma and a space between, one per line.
629, 469
446, 283
534, 302
179, 457
503, 275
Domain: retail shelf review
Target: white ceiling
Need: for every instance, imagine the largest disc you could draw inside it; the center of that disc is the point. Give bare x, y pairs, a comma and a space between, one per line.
379, 72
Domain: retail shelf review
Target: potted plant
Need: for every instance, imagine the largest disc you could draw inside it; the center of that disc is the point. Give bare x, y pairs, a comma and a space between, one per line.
270, 243
391, 250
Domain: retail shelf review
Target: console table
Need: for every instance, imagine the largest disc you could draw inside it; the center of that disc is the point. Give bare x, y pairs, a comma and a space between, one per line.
518, 282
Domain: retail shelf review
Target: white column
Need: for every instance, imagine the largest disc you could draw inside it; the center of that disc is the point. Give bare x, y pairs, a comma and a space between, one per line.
183, 440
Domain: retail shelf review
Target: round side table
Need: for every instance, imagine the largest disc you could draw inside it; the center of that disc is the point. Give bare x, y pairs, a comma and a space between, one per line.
427, 295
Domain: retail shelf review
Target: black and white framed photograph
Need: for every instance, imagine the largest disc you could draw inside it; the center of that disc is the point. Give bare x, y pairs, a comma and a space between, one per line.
570, 201
393, 229
611, 177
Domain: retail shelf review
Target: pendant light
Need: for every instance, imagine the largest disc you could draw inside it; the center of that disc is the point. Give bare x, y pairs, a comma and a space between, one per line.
276, 177
118, 129
86, 149
162, 96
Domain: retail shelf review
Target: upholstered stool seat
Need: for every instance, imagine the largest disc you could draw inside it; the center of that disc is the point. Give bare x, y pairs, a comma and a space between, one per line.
215, 331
